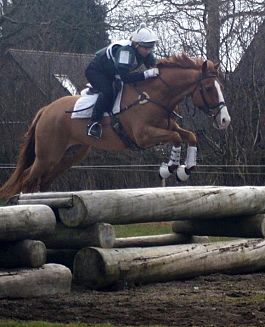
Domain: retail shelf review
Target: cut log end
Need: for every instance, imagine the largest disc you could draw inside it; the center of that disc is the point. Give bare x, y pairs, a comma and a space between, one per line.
74, 216
90, 270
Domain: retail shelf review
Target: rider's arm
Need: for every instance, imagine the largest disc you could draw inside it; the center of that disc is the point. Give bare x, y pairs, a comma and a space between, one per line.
125, 61
150, 60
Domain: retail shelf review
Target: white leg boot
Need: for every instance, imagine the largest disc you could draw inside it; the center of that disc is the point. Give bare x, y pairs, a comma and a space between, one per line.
191, 157
184, 171
174, 161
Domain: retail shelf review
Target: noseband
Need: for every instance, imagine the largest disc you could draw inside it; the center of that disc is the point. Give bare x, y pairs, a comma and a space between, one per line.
207, 108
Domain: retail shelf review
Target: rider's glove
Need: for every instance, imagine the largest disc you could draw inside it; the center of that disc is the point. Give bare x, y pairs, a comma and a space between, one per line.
152, 72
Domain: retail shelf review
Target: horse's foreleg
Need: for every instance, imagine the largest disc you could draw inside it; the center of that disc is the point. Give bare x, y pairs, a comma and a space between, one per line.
153, 135
191, 140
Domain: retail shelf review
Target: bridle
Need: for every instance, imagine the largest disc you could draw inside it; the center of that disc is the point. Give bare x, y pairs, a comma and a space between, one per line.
208, 109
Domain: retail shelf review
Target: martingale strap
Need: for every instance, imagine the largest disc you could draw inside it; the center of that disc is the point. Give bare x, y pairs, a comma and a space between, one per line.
120, 131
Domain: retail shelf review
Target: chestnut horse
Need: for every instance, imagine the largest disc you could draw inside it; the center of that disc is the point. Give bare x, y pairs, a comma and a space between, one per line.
146, 117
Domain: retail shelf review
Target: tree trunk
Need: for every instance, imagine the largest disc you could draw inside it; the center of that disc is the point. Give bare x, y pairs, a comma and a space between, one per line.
100, 235
25, 222
213, 30
157, 240
245, 226
102, 268
162, 204
25, 253
50, 279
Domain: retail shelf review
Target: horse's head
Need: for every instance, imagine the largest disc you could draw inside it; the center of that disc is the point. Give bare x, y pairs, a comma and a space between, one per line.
208, 95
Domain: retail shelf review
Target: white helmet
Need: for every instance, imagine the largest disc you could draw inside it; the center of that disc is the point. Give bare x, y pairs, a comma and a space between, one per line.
144, 36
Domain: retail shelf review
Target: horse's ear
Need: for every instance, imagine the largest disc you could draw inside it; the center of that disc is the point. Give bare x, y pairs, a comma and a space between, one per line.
204, 68
217, 66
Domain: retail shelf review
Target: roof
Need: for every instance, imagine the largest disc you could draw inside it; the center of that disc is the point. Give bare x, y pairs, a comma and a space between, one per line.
42, 67
252, 63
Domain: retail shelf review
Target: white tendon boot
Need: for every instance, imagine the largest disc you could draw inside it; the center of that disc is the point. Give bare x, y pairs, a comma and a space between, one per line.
183, 171
191, 157
174, 161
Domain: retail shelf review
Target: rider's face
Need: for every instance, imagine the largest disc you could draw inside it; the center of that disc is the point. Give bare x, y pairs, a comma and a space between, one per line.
143, 51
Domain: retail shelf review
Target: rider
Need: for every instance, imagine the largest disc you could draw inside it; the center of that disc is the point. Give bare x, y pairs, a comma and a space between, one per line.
117, 61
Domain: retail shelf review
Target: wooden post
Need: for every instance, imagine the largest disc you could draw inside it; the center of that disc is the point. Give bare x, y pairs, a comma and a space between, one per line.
241, 226
27, 253
25, 222
162, 204
102, 268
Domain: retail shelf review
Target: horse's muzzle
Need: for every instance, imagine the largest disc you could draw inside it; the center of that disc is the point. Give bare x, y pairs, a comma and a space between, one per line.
222, 119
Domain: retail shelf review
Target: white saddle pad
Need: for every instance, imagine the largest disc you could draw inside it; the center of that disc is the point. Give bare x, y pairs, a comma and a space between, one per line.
84, 105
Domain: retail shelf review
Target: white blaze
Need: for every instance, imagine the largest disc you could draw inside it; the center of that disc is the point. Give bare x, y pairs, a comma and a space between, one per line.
222, 119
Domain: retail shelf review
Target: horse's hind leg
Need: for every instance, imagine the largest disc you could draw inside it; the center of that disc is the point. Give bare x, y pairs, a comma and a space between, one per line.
71, 157
43, 164
32, 177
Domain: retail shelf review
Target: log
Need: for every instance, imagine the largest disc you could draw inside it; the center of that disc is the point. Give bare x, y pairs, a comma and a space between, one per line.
62, 256
162, 204
39, 195
25, 222
53, 203
56, 195
99, 235
26, 253
157, 240
103, 268
50, 279
241, 226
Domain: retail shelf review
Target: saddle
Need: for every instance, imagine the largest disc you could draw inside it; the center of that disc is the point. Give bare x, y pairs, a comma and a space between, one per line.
84, 105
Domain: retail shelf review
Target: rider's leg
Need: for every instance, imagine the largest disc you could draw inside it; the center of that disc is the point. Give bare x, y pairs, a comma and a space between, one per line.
104, 102
94, 128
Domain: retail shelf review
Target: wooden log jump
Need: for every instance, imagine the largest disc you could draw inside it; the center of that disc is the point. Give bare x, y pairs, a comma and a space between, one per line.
241, 226
50, 279
27, 253
25, 222
162, 204
99, 235
158, 240
102, 268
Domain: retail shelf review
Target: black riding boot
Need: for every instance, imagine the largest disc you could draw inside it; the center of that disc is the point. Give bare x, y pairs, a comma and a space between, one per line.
94, 128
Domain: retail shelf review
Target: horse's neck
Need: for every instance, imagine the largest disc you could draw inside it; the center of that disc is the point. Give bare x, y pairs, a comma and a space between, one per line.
181, 80
180, 83
170, 89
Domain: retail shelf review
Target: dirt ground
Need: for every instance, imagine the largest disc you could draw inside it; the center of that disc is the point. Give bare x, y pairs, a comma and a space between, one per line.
216, 300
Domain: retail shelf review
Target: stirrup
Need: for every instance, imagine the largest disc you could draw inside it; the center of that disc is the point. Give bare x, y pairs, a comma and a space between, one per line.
95, 130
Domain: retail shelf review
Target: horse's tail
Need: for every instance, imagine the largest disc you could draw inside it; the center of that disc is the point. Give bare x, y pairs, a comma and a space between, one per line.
26, 157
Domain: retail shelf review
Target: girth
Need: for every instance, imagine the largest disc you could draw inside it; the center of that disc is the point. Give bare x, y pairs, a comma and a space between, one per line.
120, 131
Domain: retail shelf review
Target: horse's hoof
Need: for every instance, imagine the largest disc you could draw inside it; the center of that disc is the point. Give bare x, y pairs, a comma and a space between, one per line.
164, 172
182, 174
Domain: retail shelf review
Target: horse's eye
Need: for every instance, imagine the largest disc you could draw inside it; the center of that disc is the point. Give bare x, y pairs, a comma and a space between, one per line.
208, 88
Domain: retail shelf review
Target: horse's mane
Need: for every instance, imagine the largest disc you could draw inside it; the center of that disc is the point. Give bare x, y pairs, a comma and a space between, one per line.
181, 61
